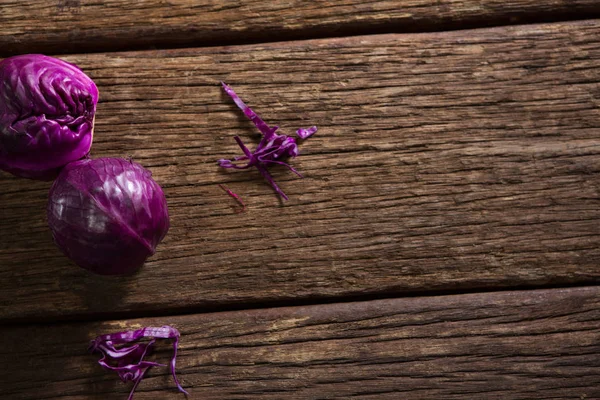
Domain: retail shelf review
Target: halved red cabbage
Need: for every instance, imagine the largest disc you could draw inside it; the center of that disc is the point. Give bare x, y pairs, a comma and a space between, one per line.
47, 109
271, 149
118, 354
107, 215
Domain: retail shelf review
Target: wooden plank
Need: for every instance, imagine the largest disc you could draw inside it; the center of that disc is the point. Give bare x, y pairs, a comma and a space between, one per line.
448, 161
82, 26
512, 345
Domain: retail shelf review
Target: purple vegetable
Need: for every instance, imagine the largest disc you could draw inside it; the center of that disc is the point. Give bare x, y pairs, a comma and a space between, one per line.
271, 149
108, 214
235, 196
128, 361
306, 133
47, 109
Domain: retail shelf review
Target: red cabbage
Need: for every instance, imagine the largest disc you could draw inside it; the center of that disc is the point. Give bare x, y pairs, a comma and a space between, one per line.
235, 196
47, 109
107, 215
305, 133
271, 149
128, 359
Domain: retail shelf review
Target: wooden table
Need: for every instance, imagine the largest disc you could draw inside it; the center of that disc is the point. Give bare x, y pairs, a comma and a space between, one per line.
444, 243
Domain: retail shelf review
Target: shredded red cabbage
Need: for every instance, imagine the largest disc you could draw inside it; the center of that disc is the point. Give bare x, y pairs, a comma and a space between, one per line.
271, 149
235, 196
129, 359
306, 133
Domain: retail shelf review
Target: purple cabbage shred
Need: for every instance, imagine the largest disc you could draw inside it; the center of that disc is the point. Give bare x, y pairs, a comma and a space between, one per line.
271, 149
235, 196
127, 358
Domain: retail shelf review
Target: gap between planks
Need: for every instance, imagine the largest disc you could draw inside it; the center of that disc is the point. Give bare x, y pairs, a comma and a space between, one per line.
275, 304
80, 27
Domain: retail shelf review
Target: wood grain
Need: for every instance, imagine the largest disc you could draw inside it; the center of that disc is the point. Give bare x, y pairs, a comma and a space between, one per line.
452, 161
60, 26
511, 345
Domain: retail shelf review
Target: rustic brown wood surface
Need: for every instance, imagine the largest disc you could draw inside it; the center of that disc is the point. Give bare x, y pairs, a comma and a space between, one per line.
445, 162
463, 160
506, 345
60, 26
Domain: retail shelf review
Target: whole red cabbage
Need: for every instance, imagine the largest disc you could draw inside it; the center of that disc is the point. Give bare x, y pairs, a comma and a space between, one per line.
107, 214
47, 109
